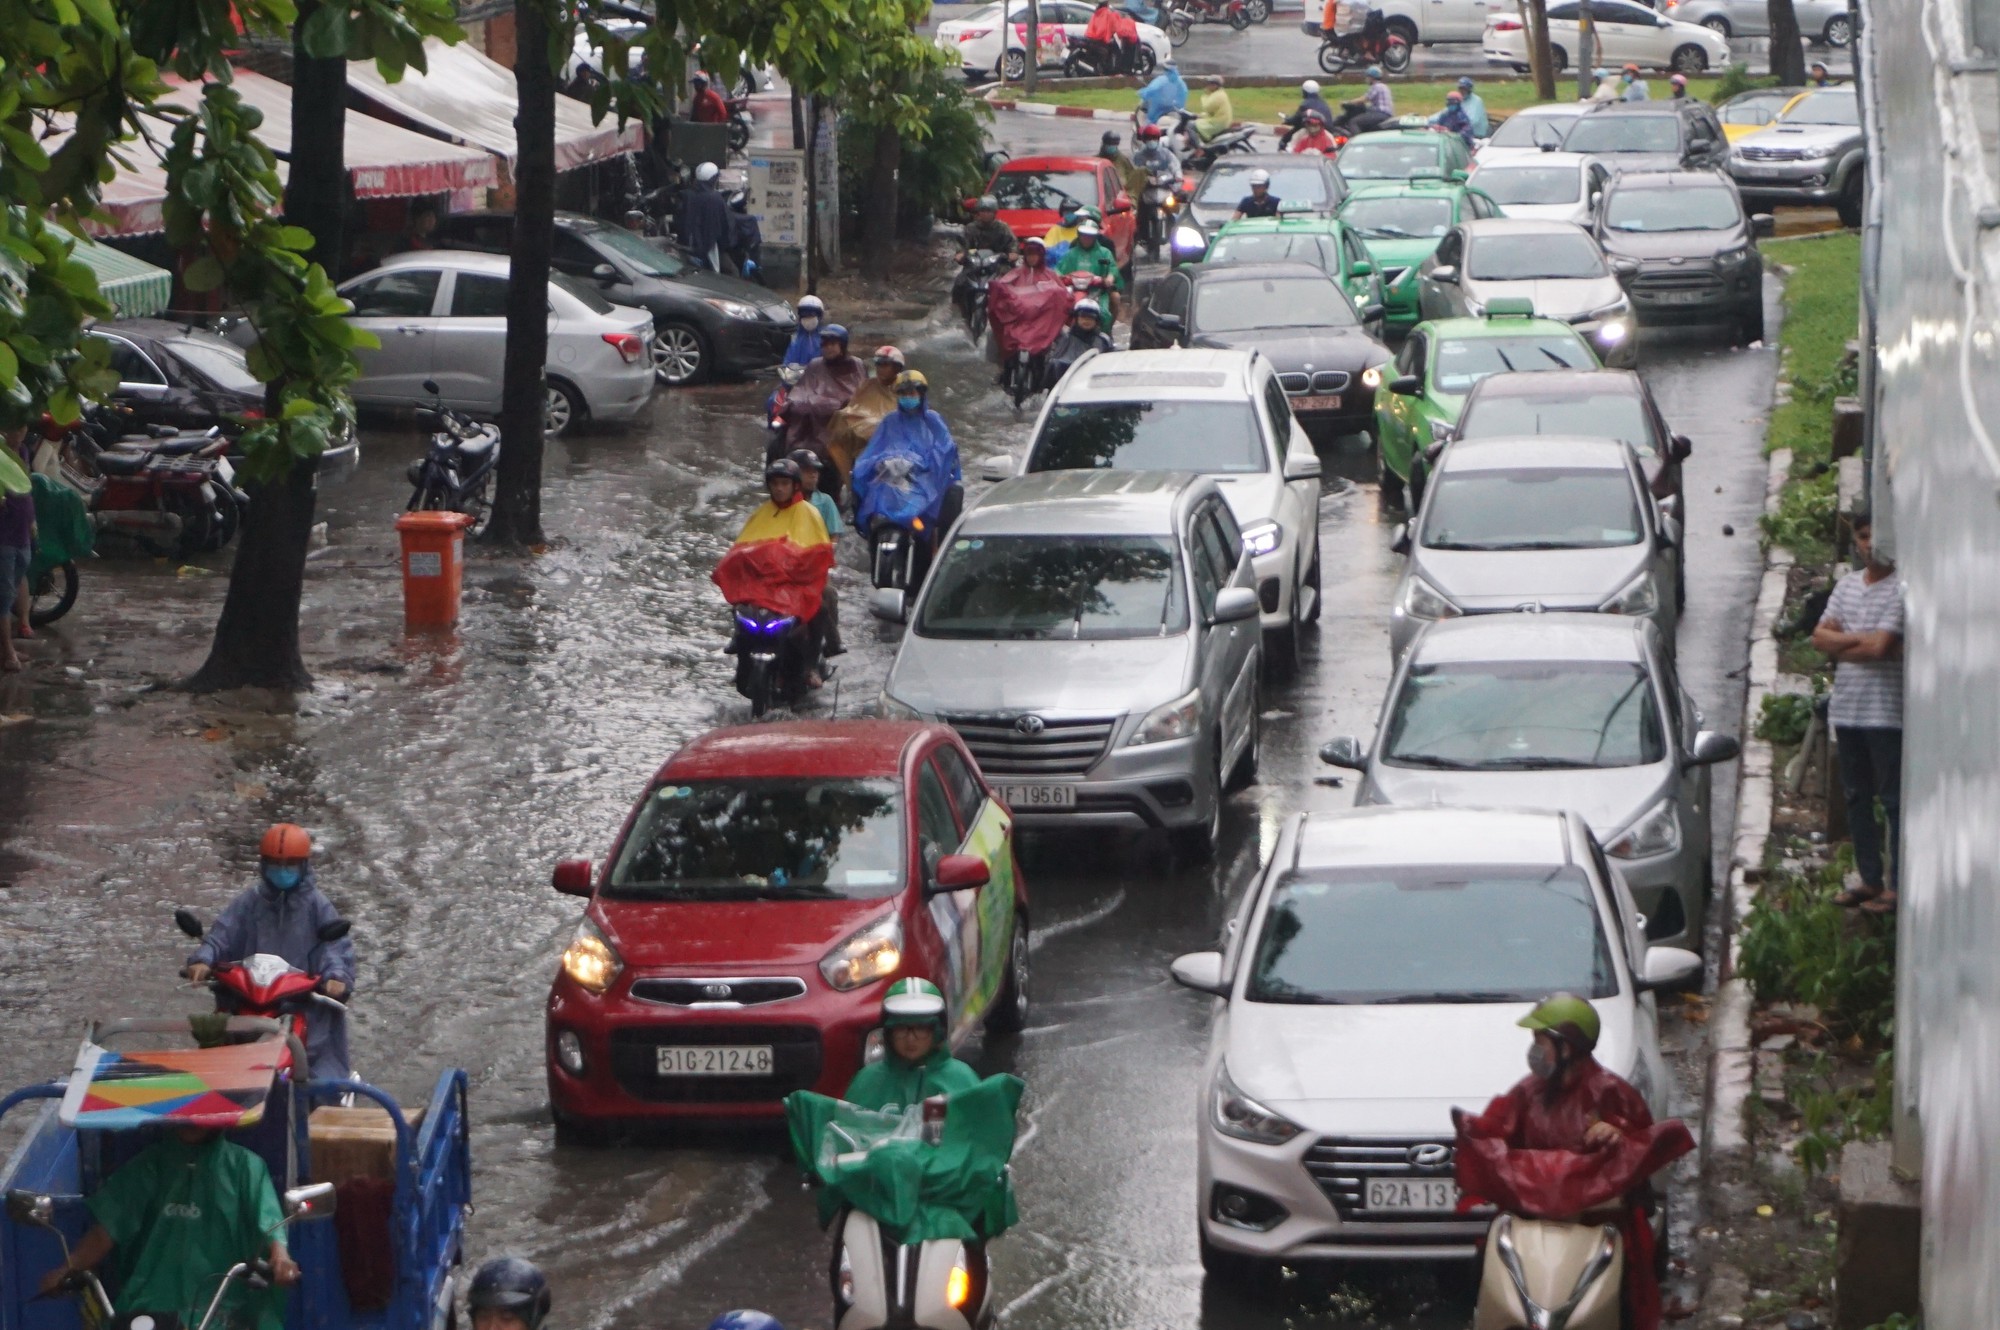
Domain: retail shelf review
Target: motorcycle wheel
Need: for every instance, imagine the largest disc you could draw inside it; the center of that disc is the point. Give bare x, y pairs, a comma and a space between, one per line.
478, 505
1143, 62
1239, 18
1023, 385
1332, 58
758, 687
975, 321
1259, 10
1077, 65
52, 594
739, 136
1179, 29
1396, 55
199, 525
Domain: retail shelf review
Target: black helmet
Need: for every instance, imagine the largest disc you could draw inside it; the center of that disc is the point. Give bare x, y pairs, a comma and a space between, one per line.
785, 467
805, 459
1110, 139
510, 1284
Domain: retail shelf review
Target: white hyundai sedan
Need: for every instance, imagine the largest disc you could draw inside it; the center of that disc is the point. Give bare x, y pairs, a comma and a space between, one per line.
977, 41
1368, 984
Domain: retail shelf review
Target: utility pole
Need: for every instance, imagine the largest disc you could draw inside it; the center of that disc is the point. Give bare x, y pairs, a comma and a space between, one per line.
1586, 59
1032, 67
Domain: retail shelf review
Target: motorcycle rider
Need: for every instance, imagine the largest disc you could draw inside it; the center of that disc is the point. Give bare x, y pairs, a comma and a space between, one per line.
914, 433
1607, 89
827, 623
1453, 118
1089, 255
704, 219
1153, 156
1217, 115
1165, 95
508, 1293
1679, 84
707, 106
916, 1062
1115, 34
1310, 102
1133, 179
1569, 1101
1475, 107
1313, 136
1631, 87
1085, 332
804, 348
854, 424
828, 384
282, 915
985, 231
1379, 98
1260, 201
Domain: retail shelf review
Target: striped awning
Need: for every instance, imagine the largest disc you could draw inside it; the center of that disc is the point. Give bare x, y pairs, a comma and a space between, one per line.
134, 287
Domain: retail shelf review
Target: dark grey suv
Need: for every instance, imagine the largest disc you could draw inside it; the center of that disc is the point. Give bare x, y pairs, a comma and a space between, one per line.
1813, 154
1684, 249
1650, 136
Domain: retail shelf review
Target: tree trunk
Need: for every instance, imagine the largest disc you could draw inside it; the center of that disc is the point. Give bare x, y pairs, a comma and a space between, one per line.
257, 639
1538, 50
1585, 53
517, 498
1033, 67
1788, 53
878, 210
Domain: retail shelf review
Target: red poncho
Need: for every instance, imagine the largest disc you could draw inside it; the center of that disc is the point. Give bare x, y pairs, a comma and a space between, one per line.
779, 561
1028, 308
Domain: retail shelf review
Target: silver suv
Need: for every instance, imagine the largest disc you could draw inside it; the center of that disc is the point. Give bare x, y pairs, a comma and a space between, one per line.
1811, 155
1093, 637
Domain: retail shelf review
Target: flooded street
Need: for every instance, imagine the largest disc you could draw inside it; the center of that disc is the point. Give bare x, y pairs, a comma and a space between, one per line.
444, 778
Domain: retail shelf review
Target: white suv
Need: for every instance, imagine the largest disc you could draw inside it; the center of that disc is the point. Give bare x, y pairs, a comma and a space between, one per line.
1219, 413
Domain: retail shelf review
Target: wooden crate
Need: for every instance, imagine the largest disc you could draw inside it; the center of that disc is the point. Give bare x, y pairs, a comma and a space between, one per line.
357, 1142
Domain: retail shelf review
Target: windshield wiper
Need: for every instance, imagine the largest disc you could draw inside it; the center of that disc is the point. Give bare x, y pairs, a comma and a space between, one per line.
1501, 352
1411, 999
1552, 356
1431, 760
1539, 764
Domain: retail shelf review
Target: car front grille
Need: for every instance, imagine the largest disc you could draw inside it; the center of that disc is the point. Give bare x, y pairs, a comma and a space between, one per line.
1342, 1166
1031, 745
795, 1063
1751, 153
1672, 279
1325, 381
722, 990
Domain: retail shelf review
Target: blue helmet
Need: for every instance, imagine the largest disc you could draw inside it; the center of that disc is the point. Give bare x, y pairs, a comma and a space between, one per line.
510, 1284
745, 1319
835, 332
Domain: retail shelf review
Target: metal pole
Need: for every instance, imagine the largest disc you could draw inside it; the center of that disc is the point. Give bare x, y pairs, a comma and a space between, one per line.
1586, 38
1032, 66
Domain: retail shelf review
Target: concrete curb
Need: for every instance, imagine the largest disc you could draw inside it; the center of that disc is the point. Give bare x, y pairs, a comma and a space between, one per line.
1048, 108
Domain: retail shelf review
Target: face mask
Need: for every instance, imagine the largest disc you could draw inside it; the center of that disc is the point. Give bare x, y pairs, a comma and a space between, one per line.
809, 322
909, 403
284, 878
1541, 1061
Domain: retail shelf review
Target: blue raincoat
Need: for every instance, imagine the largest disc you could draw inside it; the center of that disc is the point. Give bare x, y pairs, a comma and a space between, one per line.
804, 348
906, 469
1166, 94
287, 924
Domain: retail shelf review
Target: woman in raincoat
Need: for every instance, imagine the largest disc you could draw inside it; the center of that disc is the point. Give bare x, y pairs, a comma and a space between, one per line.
909, 471
854, 424
827, 385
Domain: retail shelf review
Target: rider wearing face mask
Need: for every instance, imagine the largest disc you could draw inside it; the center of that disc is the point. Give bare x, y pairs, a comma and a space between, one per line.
804, 348
282, 916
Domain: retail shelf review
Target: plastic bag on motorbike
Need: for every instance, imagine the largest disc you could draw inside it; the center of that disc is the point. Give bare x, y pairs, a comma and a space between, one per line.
878, 1163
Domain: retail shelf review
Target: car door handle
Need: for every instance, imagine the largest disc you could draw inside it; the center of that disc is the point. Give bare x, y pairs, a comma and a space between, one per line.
409, 329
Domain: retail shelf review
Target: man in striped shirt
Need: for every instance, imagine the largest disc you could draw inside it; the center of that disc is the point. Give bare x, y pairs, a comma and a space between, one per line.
1862, 631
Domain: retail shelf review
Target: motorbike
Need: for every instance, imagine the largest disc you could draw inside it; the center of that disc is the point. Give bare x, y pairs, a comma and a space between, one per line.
1027, 316
740, 124
981, 267
1372, 44
771, 651
1542, 1273
174, 494
774, 410
1159, 202
1236, 13
1094, 59
942, 1284
456, 473
266, 985
1197, 154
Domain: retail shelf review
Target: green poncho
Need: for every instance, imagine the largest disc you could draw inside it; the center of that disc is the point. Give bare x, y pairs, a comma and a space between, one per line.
62, 527
876, 1161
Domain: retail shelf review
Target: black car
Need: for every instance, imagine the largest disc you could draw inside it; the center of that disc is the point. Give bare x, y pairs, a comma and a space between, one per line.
1294, 314
188, 378
1665, 135
1614, 403
1302, 181
704, 324
1684, 249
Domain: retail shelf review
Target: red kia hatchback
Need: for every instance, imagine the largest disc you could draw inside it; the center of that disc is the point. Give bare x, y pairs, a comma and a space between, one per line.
769, 885
1032, 191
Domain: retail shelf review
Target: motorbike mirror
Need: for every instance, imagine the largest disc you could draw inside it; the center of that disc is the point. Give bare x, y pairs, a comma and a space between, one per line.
1201, 971
1668, 968
1370, 313
27, 1207
189, 922
335, 929
1399, 539
996, 468
1344, 751
571, 877
958, 872
1408, 385
312, 1201
888, 603
431, 387
1683, 447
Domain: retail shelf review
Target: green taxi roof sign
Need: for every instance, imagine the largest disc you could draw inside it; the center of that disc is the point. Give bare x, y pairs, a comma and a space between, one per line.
1516, 307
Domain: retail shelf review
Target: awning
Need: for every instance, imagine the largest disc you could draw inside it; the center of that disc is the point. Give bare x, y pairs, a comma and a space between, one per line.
384, 160
134, 287
469, 99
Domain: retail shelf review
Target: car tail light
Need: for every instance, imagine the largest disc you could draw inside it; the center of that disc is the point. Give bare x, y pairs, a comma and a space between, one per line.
630, 345
1503, 25
974, 34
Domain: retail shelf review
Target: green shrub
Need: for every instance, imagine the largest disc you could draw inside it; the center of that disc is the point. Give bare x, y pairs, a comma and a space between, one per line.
939, 169
1784, 718
1735, 79
1798, 946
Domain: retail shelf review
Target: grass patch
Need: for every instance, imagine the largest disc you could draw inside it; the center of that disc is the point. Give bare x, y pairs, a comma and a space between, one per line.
1798, 946
1269, 105
1822, 303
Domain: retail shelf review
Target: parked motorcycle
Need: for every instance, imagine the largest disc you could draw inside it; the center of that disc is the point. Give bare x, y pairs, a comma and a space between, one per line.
773, 656
1372, 44
175, 495
1159, 203
1236, 13
1197, 154
740, 124
267, 985
1094, 59
456, 474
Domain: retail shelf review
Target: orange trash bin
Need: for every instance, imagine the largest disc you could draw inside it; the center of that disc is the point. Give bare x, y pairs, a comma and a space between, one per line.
433, 567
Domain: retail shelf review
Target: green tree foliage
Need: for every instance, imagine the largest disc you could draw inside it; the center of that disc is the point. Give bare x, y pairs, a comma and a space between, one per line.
940, 167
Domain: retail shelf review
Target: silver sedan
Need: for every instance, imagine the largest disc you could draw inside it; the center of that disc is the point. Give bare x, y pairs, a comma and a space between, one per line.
1555, 266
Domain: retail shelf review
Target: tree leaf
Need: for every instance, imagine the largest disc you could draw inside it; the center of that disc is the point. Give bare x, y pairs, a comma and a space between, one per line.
204, 274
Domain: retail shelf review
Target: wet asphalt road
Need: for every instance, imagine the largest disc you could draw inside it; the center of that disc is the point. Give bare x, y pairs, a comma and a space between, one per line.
445, 778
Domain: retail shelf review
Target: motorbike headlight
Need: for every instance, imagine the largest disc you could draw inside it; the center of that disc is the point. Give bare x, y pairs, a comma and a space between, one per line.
958, 1286
735, 309
889, 707
1262, 537
1639, 596
1178, 719
1171, 203
590, 960
1237, 1114
1658, 831
1421, 600
876, 952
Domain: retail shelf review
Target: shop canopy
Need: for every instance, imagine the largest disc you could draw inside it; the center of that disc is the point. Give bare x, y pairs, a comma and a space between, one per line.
469, 99
135, 288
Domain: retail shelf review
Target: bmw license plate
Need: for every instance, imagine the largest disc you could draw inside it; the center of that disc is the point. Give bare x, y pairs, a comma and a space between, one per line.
1331, 403
1029, 798
1435, 1194
714, 1060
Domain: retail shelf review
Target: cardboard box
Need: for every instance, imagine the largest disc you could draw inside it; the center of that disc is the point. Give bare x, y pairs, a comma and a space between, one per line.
357, 1142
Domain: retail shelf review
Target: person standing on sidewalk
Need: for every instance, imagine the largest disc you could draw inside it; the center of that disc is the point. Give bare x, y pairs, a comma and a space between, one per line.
17, 547
1862, 632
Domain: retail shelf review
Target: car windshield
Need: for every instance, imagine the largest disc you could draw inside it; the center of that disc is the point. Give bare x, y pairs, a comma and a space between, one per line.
1272, 302
1539, 255
1387, 159
1271, 247
1420, 934
1531, 131
1540, 508
1755, 110
1620, 416
1219, 438
1228, 182
1043, 191
1399, 217
1055, 588
1462, 362
1824, 108
639, 253
1624, 133
1507, 185
1678, 209
777, 839
593, 299
1524, 715
219, 363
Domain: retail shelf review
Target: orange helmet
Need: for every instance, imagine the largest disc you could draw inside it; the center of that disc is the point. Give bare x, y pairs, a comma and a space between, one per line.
285, 842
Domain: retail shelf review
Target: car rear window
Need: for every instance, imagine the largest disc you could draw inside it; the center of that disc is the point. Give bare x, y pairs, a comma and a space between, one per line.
1825, 108
1537, 256
1531, 131
1228, 182
1276, 247
218, 362
1683, 208
1211, 437
772, 839
1531, 185
1271, 302
1055, 588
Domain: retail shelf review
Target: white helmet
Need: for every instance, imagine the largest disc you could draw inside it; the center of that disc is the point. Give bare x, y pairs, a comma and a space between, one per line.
1310, 87
1259, 177
706, 172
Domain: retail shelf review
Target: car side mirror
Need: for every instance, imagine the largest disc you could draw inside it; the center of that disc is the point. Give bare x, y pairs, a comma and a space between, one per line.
1667, 968
1682, 447
431, 386
1201, 971
604, 272
1409, 385
1670, 509
1234, 604
998, 467
958, 872
312, 1201
1123, 203
333, 930
1302, 464
1709, 748
1372, 312
889, 604
1763, 224
1170, 323
1445, 275
1625, 267
189, 922
1363, 268
1344, 751
1399, 539
572, 877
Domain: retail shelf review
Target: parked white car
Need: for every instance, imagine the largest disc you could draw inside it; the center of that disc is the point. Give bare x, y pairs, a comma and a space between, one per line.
1370, 983
976, 38
1546, 187
1626, 34
442, 314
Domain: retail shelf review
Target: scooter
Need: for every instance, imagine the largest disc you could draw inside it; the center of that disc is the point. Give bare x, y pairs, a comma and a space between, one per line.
771, 652
267, 985
1197, 154
880, 1284
774, 410
1541, 1274
456, 474
1374, 44
899, 556
1236, 13
740, 124
981, 267
1159, 201
175, 496
1095, 59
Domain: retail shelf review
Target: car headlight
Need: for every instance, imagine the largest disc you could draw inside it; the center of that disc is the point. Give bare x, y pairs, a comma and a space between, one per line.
1657, 832
1740, 254
590, 961
1639, 596
1178, 719
1610, 311
1613, 331
876, 952
889, 707
735, 309
1371, 377
1188, 238
1262, 537
1421, 600
1237, 1114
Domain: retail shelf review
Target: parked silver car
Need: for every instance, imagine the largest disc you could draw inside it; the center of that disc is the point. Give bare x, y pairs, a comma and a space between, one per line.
1563, 711
1555, 266
1549, 187
1822, 21
1547, 522
1093, 636
442, 314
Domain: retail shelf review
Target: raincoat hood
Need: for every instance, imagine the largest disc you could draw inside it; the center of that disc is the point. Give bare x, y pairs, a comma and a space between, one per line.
906, 469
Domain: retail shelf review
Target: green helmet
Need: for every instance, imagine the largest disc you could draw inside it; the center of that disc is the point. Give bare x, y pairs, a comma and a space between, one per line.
912, 1002
1567, 1017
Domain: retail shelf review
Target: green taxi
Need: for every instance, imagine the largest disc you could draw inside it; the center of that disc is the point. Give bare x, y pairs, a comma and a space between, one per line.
1401, 223
1303, 237
1441, 360
1400, 154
